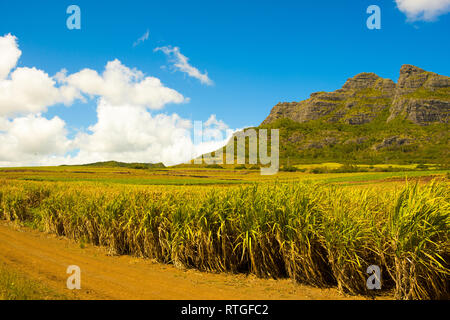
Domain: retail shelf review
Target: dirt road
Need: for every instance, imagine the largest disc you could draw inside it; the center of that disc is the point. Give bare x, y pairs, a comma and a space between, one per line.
45, 258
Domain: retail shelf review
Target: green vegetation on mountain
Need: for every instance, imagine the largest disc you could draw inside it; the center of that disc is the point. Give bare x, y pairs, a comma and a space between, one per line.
399, 141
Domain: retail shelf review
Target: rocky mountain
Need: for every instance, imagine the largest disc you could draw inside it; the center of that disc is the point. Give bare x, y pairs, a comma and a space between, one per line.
419, 96
370, 119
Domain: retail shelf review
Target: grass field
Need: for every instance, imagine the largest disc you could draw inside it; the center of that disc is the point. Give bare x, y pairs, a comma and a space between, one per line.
318, 229
15, 286
180, 176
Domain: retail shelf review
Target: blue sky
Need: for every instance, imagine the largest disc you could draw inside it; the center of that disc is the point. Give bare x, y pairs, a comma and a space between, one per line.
257, 53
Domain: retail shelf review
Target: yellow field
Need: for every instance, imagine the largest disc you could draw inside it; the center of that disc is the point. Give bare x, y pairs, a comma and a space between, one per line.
203, 176
318, 229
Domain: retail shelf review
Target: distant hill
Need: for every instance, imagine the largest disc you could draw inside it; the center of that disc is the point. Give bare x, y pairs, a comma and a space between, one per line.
133, 165
369, 120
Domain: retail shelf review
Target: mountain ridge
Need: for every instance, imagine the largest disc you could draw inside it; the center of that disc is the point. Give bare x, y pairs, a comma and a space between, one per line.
419, 96
369, 120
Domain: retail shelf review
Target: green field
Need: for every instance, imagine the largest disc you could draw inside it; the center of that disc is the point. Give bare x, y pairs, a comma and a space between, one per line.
191, 175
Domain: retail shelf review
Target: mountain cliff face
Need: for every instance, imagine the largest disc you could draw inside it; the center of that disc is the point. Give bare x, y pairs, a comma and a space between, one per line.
419, 96
370, 119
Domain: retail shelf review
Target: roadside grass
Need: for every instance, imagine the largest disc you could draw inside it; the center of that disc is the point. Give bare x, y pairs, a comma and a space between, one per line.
15, 286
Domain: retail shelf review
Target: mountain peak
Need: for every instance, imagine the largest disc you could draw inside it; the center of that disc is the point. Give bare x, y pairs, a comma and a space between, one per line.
409, 69
362, 81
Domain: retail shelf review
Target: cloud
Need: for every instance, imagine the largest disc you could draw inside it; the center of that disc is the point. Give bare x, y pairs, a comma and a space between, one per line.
121, 85
180, 62
9, 54
142, 39
130, 134
126, 133
213, 122
25, 140
122, 133
426, 10
125, 129
31, 91
26, 90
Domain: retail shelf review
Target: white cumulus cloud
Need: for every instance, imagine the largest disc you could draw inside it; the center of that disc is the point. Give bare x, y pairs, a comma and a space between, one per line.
9, 54
129, 134
125, 129
121, 85
122, 133
26, 90
29, 90
181, 63
426, 10
31, 139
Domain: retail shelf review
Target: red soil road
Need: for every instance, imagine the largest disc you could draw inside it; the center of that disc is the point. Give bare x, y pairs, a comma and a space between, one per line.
45, 258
